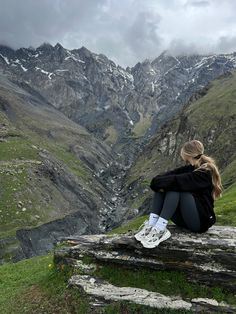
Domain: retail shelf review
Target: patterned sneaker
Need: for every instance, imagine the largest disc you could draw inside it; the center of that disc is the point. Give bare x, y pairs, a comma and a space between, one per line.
154, 237
143, 230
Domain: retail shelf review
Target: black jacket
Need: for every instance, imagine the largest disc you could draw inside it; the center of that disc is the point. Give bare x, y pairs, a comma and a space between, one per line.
198, 182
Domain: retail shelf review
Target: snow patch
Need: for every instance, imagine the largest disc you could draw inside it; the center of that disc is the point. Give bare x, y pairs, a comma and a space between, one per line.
203, 61
45, 72
23, 68
152, 87
125, 74
5, 59
17, 61
63, 70
127, 114
98, 109
71, 56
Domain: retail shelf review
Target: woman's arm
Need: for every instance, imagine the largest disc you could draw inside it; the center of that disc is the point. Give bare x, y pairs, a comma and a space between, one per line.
178, 170
189, 181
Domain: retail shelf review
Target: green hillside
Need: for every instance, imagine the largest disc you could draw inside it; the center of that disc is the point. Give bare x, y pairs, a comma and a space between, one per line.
40, 162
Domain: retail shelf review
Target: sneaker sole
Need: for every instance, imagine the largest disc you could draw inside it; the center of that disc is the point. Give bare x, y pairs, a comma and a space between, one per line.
151, 246
137, 238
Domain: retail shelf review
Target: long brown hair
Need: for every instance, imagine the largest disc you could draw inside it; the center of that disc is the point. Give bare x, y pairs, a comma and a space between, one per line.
195, 149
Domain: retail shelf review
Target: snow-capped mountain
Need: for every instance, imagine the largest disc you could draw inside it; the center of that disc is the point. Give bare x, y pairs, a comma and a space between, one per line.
123, 107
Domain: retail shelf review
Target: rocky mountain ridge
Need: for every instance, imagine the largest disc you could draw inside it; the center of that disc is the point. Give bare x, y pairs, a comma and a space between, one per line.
123, 107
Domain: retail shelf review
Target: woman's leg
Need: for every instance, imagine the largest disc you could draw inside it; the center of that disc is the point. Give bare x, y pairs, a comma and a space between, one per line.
178, 219
166, 203
170, 204
159, 232
157, 202
189, 211
186, 216
169, 207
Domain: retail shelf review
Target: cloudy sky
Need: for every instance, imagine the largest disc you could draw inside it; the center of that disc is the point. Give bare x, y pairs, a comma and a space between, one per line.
126, 31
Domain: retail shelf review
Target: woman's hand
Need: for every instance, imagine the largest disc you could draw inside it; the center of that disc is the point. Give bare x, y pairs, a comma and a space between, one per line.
153, 183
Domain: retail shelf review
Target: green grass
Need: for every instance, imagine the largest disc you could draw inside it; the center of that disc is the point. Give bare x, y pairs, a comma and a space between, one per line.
17, 148
141, 126
111, 134
38, 286
13, 184
229, 173
170, 283
225, 207
132, 224
70, 160
219, 101
35, 286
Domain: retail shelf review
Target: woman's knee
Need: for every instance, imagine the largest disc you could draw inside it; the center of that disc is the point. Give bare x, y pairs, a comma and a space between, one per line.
173, 192
186, 195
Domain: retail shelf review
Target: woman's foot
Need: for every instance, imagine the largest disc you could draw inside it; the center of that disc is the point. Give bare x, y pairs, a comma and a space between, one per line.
154, 237
143, 231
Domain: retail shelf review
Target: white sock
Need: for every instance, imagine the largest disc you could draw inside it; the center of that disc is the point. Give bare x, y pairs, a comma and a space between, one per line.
153, 219
161, 223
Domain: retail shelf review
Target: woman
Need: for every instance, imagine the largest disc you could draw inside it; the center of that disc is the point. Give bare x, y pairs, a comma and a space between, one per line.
185, 195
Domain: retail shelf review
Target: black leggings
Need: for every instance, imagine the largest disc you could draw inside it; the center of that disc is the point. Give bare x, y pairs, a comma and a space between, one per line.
165, 204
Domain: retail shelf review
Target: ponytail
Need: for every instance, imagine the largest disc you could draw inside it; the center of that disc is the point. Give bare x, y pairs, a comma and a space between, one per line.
207, 162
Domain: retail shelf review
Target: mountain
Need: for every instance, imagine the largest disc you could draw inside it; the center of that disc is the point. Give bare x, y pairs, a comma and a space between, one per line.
123, 107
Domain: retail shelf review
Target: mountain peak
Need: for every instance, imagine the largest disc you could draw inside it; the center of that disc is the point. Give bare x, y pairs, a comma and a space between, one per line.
45, 46
85, 51
58, 46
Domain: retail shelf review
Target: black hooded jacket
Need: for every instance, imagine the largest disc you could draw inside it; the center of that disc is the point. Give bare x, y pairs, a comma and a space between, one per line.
196, 181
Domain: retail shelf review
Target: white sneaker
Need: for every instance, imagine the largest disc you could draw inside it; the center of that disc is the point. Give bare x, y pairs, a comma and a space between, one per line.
143, 230
155, 237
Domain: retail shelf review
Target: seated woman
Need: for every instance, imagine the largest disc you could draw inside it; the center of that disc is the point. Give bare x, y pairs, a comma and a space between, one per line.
185, 195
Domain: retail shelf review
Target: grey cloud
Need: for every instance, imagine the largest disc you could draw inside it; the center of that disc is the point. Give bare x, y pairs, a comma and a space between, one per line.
180, 47
143, 36
126, 31
24, 23
196, 3
226, 44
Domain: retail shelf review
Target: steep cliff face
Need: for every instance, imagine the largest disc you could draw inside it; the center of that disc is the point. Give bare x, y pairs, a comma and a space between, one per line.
123, 107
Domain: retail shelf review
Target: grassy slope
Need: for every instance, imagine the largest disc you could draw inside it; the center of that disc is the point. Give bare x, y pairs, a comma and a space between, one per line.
28, 131
217, 111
